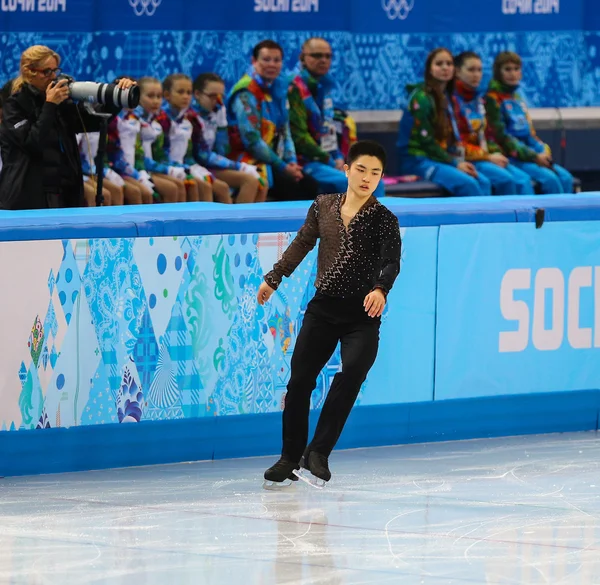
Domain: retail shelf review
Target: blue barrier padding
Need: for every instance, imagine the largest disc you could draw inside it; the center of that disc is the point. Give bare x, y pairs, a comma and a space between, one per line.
212, 218
582, 207
125, 445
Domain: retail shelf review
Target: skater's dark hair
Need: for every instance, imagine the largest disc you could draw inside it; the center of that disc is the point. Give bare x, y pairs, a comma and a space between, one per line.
367, 148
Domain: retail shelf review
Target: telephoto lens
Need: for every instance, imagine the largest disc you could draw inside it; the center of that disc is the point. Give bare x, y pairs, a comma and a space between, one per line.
108, 94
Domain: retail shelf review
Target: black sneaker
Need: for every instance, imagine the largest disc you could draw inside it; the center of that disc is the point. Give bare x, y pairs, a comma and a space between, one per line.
282, 471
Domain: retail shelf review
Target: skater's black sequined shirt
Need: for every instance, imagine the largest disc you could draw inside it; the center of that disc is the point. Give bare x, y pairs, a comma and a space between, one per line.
352, 261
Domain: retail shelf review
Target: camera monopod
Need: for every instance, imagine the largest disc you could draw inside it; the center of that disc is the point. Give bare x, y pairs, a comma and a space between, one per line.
99, 160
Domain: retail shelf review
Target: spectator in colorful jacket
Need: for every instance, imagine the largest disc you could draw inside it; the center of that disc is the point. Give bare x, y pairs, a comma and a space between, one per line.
210, 140
480, 149
176, 150
259, 130
169, 180
123, 133
429, 143
312, 119
513, 130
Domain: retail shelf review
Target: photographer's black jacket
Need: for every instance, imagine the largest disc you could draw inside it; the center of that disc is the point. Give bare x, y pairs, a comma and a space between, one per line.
41, 163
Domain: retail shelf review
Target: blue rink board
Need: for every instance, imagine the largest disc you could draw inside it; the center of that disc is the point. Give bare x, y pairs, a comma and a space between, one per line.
185, 219
94, 447
151, 443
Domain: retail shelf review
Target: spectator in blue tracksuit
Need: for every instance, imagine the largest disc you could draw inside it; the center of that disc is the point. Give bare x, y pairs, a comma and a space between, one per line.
513, 130
480, 149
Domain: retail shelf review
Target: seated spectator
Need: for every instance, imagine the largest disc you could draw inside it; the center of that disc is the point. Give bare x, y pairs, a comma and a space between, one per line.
429, 143
480, 149
345, 127
210, 140
178, 150
150, 157
513, 130
312, 119
123, 133
259, 127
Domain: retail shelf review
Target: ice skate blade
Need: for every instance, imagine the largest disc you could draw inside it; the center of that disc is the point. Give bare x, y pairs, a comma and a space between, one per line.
276, 486
312, 480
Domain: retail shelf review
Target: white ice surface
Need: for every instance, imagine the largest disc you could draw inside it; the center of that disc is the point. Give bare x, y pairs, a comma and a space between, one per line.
522, 510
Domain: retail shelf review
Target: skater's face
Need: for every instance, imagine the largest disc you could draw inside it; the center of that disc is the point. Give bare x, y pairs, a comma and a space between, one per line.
364, 175
470, 72
269, 63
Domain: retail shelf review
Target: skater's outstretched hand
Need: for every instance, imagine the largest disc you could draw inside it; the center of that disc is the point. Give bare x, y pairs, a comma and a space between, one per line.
375, 303
264, 293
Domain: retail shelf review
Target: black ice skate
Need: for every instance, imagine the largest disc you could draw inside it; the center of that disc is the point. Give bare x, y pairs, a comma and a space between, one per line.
281, 474
314, 470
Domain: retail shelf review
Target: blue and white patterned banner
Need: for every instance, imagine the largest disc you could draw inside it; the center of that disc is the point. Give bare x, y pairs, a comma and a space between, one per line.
379, 45
124, 330
371, 70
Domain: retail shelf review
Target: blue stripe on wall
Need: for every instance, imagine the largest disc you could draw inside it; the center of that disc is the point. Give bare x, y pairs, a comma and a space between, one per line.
108, 446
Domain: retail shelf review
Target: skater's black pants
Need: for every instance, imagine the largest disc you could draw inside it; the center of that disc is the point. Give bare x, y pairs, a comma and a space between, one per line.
327, 321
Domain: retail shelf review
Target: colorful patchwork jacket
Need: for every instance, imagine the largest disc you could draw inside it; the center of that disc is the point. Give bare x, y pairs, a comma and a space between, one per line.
469, 108
123, 135
150, 152
177, 130
210, 137
259, 130
510, 123
312, 118
416, 135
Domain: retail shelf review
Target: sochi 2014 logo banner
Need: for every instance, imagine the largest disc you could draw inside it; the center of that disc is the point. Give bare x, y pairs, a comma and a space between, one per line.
144, 7
397, 9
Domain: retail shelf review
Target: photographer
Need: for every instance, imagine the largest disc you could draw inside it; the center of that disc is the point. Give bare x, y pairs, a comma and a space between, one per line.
42, 167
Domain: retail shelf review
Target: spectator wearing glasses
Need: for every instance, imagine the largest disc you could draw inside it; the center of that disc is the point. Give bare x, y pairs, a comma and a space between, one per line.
513, 130
259, 129
42, 166
480, 149
210, 140
429, 143
312, 118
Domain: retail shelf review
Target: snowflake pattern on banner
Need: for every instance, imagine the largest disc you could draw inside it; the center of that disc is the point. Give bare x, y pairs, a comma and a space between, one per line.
371, 70
117, 301
101, 407
130, 399
220, 353
68, 281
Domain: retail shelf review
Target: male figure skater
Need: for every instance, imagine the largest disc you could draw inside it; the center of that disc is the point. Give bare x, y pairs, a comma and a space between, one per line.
358, 261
